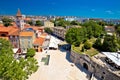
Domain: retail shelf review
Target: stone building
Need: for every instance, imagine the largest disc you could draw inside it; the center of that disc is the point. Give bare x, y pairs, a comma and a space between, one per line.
96, 65
48, 24
59, 32
10, 33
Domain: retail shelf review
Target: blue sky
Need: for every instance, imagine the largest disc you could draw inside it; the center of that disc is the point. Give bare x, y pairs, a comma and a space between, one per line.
83, 8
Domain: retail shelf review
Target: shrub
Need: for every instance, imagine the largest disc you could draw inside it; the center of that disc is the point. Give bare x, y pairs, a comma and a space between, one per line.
87, 45
30, 53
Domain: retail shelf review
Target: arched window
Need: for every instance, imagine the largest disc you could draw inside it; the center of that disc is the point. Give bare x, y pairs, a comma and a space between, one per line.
3, 35
85, 66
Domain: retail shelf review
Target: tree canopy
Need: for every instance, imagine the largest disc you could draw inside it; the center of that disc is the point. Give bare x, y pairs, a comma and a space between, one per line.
77, 35
87, 45
110, 44
98, 44
30, 23
14, 69
61, 22
6, 21
93, 29
30, 52
74, 23
48, 30
38, 23
117, 27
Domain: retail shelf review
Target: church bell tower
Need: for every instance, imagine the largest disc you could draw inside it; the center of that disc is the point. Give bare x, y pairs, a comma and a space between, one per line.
19, 20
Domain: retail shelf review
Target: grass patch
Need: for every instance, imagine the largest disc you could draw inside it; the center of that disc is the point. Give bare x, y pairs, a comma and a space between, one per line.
46, 60
76, 49
90, 52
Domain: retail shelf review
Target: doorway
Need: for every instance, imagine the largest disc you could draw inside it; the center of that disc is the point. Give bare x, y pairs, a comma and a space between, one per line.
85, 66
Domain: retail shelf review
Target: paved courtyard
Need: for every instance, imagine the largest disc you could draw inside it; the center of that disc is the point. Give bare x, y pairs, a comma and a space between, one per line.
59, 68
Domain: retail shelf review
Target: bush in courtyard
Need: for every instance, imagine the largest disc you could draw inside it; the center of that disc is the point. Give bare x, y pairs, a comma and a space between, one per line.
87, 45
30, 52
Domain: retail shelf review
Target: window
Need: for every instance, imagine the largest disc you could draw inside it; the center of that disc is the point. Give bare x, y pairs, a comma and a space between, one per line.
22, 42
103, 72
10, 36
28, 41
18, 21
28, 46
102, 77
16, 37
3, 35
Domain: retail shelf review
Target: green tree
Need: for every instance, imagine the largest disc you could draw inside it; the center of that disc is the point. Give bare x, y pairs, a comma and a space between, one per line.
48, 30
75, 36
38, 23
93, 29
12, 69
88, 30
87, 45
101, 23
98, 44
30, 52
118, 40
118, 30
74, 23
61, 22
6, 21
30, 22
110, 44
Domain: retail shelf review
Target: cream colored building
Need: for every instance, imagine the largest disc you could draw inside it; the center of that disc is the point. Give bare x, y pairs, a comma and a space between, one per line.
48, 24
59, 31
26, 40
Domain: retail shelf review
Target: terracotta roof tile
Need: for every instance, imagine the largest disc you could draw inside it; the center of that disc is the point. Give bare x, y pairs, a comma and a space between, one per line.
12, 30
27, 19
39, 41
26, 33
4, 29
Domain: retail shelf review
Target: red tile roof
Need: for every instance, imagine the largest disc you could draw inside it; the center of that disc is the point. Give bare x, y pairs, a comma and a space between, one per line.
12, 30
27, 19
26, 33
39, 41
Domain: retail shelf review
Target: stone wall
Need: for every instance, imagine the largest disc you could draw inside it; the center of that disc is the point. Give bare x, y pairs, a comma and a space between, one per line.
99, 71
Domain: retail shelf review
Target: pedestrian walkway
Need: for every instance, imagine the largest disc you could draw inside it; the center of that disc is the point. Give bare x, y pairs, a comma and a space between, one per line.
59, 68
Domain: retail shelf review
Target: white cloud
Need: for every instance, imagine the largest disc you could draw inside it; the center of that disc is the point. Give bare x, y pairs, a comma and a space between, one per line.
109, 12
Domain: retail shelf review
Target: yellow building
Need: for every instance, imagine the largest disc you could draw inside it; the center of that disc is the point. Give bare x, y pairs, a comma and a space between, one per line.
48, 24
